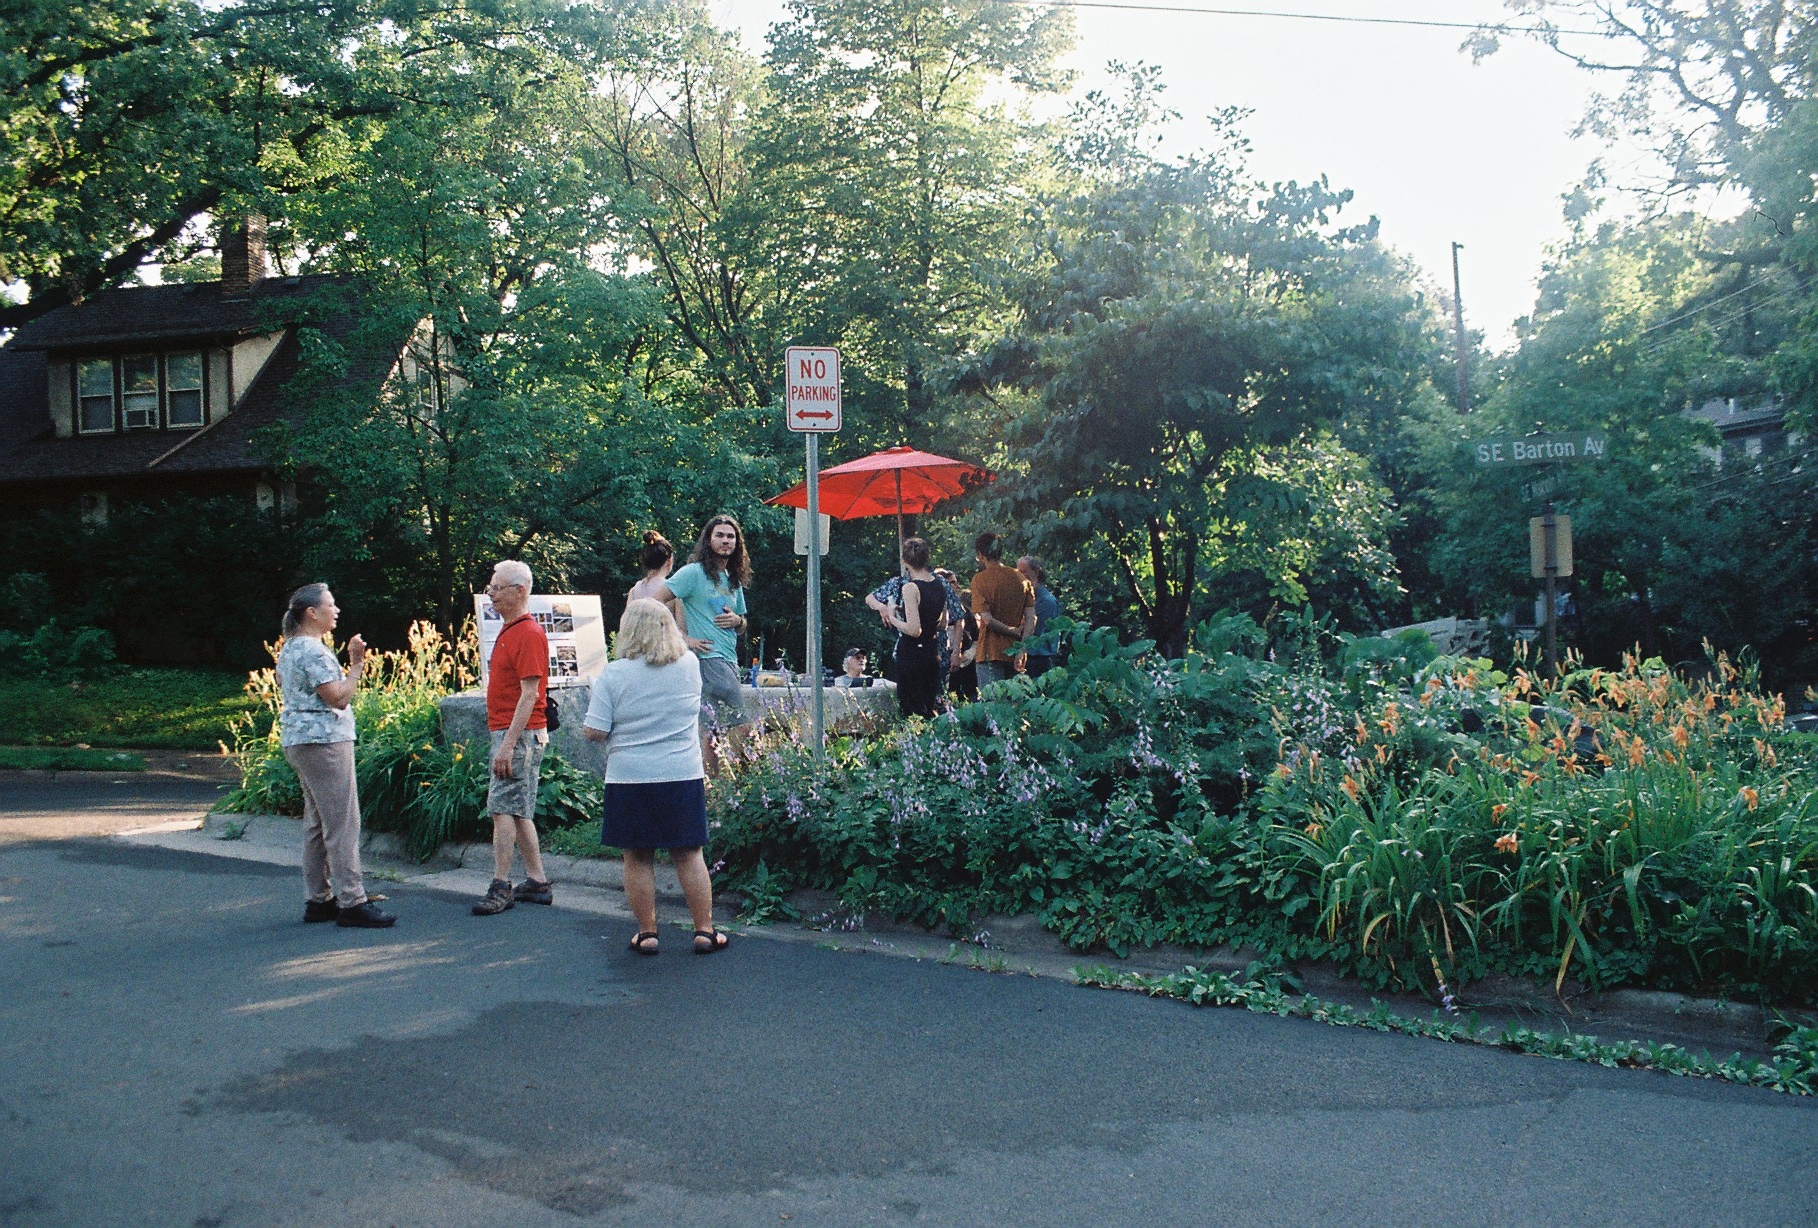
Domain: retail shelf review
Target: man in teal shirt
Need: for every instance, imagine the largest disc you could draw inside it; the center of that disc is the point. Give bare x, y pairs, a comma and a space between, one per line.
711, 589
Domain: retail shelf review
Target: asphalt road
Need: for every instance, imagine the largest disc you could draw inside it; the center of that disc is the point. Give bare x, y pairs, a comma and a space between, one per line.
179, 1049
61, 805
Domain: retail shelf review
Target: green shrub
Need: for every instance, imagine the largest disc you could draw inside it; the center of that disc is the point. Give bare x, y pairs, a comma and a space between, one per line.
1625, 825
1418, 820
1096, 796
52, 652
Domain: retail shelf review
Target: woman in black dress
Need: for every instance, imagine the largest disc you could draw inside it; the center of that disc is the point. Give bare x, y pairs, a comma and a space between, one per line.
918, 634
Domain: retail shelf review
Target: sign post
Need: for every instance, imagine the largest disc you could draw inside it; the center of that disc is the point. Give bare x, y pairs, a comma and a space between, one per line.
812, 407
1550, 556
1549, 534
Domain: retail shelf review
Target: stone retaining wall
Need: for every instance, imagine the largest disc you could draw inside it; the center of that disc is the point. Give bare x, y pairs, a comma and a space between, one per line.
464, 715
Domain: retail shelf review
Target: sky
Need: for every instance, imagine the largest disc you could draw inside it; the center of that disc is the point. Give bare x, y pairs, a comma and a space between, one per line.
1440, 149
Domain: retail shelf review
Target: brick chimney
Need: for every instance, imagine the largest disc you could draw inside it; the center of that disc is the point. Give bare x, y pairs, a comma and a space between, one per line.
243, 256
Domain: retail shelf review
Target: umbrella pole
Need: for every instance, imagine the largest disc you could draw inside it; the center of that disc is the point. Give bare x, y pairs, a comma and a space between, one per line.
899, 523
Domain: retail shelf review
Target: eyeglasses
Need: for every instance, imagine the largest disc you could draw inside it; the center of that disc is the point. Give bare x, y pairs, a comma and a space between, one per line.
495, 587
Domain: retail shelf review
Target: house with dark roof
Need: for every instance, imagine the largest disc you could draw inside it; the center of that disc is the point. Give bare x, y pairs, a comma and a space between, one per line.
1748, 430
152, 391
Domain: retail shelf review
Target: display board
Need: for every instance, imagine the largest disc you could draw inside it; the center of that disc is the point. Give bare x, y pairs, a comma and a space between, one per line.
576, 631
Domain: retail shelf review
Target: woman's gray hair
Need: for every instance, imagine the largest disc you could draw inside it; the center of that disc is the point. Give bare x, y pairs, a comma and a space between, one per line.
302, 602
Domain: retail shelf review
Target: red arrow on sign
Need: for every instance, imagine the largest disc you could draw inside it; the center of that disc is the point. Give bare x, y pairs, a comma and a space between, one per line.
807, 413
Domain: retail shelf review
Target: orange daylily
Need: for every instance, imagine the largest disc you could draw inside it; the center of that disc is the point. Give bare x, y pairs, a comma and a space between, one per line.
1506, 844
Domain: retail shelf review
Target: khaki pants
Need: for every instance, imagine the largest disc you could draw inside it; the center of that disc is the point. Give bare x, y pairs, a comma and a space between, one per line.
331, 821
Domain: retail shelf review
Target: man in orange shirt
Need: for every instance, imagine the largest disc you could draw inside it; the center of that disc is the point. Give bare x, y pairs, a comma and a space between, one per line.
1004, 604
517, 680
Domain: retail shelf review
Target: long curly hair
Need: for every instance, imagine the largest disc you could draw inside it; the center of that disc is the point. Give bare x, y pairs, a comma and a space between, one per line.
738, 566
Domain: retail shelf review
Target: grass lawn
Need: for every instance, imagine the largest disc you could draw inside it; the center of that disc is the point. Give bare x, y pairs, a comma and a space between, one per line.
154, 709
59, 759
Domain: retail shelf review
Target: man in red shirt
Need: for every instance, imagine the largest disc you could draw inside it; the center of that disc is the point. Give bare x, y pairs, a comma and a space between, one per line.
517, 681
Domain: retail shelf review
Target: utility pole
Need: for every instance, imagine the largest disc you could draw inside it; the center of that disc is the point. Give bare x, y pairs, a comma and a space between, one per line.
1458, 334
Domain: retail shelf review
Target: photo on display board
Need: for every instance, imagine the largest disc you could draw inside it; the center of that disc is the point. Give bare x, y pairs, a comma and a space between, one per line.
573, 623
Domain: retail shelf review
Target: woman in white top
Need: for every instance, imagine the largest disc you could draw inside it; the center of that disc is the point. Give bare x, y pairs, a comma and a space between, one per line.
646, 707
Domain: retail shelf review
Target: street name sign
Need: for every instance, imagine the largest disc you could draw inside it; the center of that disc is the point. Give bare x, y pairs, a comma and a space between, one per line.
1539, 449
811, 383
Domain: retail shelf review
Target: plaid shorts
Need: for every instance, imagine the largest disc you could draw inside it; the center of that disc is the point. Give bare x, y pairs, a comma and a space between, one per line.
518, 795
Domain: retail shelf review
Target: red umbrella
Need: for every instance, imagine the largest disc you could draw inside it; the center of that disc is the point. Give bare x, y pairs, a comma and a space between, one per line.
894, 482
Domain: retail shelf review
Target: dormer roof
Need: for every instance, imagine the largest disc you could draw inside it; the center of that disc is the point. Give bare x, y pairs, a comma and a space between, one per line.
161, 315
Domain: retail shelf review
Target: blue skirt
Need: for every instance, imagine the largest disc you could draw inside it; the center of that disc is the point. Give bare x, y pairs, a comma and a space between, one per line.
664, 814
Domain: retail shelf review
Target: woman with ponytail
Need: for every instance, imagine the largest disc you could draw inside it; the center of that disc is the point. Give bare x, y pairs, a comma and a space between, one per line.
316, 729
657, 558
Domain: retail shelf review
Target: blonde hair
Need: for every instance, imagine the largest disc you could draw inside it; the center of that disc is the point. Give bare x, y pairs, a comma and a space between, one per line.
647, 633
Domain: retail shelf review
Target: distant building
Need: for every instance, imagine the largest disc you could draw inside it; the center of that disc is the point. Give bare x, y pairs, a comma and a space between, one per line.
1749, 431
150, 391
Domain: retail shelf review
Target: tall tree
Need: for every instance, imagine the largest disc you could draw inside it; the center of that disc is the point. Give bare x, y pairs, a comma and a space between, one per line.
1182, 336
525, 417
891, 165
127, 126
673, 121
1675, 540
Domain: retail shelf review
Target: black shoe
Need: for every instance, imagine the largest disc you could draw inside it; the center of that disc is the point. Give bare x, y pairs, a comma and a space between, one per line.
530, 891
320, 910
496, 900
366, 915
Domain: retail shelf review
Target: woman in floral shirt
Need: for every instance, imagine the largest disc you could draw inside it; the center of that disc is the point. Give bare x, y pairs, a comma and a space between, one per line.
316, 730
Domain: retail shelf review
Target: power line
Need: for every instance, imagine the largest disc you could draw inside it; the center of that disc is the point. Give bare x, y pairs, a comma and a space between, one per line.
1689, 312
1784, 292
1331, 17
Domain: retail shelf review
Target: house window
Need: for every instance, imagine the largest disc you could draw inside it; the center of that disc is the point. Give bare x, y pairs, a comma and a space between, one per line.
183, 389
141, 392
95, 389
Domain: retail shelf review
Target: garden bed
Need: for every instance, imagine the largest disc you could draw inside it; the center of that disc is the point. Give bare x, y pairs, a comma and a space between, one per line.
1416, 823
